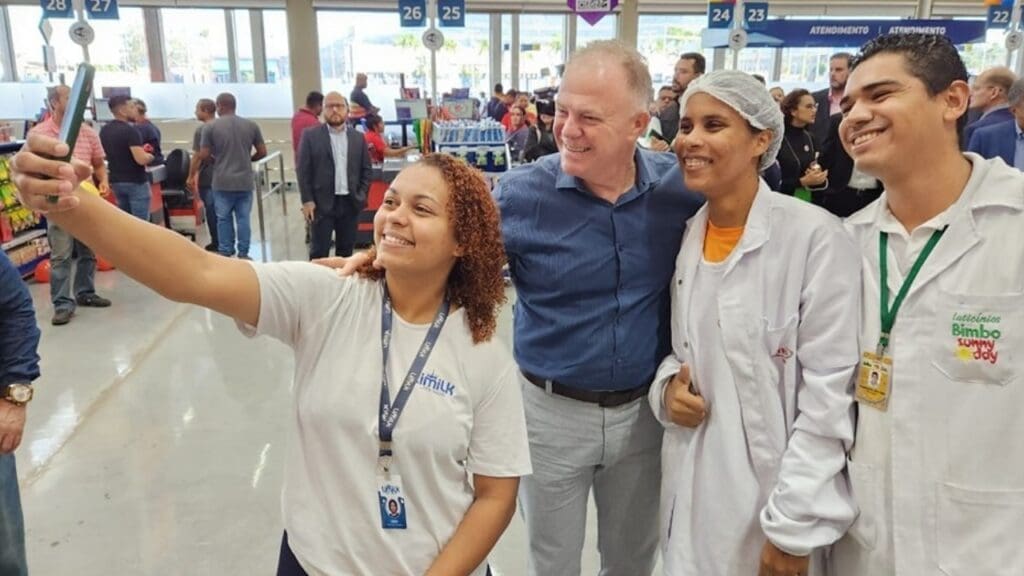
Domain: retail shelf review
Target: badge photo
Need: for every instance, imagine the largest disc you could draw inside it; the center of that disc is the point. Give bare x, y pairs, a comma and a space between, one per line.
392, 504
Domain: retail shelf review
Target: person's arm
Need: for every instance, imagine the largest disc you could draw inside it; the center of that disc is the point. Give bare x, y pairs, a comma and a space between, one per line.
261, 152
811, 505
19, 344
494, 504
198, 159
152, 255
141, 157
99, 172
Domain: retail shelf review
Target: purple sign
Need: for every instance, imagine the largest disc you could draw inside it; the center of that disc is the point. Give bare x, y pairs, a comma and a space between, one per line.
592, 10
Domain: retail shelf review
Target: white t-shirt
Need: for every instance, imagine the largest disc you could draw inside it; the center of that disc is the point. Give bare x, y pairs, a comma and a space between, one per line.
465, 417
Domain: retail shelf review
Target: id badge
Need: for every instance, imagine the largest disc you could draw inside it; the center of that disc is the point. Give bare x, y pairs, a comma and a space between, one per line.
391, 500
874, 380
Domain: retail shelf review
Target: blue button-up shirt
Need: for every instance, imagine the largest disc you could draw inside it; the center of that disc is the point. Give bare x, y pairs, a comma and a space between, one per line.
19, 335
592, 277
1018, 151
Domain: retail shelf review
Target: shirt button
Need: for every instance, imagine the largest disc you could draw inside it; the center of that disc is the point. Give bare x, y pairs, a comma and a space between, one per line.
686, 345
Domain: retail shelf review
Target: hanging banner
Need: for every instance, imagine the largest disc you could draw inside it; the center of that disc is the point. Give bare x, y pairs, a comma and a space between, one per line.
845, 33
592, 10
57, 8
102, 9
721, 13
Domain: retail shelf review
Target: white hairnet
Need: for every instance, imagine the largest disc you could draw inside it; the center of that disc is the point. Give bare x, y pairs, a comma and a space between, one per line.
749, 98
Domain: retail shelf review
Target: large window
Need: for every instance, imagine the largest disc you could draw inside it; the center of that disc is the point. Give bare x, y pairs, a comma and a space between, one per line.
662, 38
28, 45
541, 39
243, 45
275, 37
195, 45
806, 67
605, 29
375, 44
119, 51
984, 55
757, 61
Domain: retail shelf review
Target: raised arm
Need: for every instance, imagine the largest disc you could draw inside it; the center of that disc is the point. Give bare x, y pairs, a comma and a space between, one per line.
155, 256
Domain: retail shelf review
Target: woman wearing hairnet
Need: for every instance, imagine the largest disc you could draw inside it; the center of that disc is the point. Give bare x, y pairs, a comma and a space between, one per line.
757, 396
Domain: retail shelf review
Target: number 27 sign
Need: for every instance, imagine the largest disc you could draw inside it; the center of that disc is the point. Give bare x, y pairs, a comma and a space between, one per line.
97, 9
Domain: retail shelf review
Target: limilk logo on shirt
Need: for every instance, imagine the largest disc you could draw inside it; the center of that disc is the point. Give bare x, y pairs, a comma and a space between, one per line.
437, 385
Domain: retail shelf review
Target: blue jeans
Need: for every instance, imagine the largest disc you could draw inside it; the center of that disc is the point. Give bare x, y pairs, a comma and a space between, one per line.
62, 247
210, 206
12, 525
133, 198
233, 209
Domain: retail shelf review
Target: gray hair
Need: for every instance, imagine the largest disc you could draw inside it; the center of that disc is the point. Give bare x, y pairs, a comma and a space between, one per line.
52, 94
638, 76
1016, 93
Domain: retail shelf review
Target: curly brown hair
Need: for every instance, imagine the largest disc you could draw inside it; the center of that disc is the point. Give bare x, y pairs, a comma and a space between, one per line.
475, 283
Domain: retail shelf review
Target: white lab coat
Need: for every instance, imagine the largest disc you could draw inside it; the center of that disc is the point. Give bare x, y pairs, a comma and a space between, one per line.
939, 477
788, 309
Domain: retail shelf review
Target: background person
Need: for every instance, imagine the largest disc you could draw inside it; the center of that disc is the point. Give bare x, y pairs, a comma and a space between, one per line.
801, 173
72, 263
206, 112
126, 158
149, 132
334, 176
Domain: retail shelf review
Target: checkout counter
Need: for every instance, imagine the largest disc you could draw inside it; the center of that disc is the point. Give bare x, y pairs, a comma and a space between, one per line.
383, 176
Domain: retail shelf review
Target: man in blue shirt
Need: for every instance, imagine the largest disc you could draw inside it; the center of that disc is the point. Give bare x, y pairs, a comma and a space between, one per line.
19, 366
1006, 139
592, 235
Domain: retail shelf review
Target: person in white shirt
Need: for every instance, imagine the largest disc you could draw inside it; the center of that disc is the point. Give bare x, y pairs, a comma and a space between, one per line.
404, 346
756, 397
938, 464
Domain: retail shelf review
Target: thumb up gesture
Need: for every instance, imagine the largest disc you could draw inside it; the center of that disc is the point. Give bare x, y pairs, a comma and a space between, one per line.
684, 406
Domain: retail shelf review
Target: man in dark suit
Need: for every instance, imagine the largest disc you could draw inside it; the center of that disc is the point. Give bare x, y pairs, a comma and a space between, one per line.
334, 178
828, 99
849, 189
989, 93
1006, 139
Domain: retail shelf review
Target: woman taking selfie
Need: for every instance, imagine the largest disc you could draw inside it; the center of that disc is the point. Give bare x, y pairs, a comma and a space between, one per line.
406, 435
756, 398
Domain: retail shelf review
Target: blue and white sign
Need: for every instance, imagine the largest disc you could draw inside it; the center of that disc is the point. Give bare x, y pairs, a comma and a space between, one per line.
998, 17
101, 9
845, 33
720, 15
57, 8
755, 15
452, 13
413, 13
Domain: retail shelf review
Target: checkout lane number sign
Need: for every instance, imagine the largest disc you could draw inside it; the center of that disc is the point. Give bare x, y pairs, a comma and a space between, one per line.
413, 13
452, 13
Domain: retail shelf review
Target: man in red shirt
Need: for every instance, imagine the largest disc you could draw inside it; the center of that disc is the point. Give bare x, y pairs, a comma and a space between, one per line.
306, 117
65, 248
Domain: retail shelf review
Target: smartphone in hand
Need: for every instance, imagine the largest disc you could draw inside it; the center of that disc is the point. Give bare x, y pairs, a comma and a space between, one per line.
74, 113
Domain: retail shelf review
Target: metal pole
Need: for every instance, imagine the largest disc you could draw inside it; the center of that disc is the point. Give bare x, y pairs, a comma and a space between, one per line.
432, 9
259, 211
737, 24
284, 201
1014, 26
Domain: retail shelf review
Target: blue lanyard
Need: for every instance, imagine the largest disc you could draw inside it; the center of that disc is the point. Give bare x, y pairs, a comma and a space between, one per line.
389, 413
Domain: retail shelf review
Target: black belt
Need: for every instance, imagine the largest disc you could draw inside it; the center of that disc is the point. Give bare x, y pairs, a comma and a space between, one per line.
605, 399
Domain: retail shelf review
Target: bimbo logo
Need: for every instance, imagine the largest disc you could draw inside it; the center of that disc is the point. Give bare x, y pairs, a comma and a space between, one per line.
976, 336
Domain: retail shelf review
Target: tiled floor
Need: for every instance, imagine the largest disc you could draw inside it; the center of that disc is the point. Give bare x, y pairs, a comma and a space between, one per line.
154, 443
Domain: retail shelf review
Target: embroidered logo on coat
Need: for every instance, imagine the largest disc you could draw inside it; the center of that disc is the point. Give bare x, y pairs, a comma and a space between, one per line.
783, 353
976, 337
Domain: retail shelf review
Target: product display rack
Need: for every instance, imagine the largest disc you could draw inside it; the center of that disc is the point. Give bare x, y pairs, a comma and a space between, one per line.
480, 144
22, 233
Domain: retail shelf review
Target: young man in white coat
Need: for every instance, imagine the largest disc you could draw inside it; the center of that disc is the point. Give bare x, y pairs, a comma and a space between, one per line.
938, 464
756, 398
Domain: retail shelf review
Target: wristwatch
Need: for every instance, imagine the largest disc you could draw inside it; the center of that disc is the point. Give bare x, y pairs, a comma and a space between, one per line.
18, 394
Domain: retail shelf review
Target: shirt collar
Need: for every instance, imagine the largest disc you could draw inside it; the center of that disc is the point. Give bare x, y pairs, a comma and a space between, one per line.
336, 131
644, 176
995, 108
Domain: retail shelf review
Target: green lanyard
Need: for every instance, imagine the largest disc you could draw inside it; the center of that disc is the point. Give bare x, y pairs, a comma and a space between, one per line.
889, 314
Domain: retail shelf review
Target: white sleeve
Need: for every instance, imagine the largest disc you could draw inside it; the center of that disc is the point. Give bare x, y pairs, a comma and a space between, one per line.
656, 395
293, 297
811, 505
498, 445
